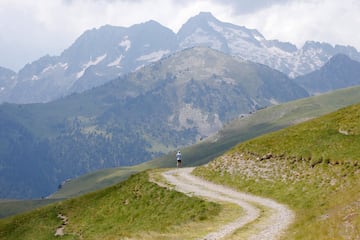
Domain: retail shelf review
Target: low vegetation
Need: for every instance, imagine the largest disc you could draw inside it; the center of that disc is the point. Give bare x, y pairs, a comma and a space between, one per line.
135, 209
313, 167
12, 207
246, 127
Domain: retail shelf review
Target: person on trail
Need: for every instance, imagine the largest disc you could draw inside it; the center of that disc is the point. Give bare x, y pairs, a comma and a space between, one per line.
178, 159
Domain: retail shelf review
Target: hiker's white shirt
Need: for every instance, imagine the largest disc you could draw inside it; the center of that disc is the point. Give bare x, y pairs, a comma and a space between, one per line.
178, 156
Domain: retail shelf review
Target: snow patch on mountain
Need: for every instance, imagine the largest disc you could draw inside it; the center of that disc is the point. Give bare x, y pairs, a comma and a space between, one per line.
215, 26
116, 62
35, 78
274, 101
201, 37
125, 43
64, 65
154, 56
225, 31
89, 64
259, 38
53, 67
49, 68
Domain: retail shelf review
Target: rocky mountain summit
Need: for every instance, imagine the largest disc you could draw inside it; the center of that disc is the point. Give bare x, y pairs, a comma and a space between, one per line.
100, 55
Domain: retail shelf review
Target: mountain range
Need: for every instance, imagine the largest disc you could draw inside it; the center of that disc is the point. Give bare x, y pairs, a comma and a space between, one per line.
173, 102
100, 55
339, 72
119, 97
134, 97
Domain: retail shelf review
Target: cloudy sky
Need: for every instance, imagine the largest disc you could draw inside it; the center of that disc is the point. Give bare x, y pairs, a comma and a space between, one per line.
30, 29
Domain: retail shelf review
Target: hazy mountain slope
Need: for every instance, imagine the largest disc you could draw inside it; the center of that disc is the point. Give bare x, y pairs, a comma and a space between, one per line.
170, 103
242, 129
7, 81
204, 29
313, 167
96, 57
332, 75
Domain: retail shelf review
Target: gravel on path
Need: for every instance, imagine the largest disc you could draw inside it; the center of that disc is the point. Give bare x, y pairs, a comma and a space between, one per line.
270, 228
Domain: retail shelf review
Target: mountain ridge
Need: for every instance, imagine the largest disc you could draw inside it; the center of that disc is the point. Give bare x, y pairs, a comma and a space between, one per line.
332, 75
170, 103
100, 55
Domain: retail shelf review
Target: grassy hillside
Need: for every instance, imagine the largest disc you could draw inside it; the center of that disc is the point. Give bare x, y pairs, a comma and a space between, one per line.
287, 165
245, 128
96, 180
135, 209
314, 167
12, 207
242, 129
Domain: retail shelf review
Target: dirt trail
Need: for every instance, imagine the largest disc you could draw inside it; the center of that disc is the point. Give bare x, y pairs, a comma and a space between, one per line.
60, 230
269, 226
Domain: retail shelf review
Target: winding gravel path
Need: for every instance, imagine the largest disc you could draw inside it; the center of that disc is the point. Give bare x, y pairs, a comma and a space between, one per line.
270, 226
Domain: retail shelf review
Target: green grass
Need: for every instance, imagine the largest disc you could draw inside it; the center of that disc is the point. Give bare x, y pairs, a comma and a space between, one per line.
334, 137
12, 207
313, 167
130, 209
94, 181
242, 129
321, 186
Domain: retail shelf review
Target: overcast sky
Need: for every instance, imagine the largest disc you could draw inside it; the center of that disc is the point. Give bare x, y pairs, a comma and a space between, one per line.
30, 29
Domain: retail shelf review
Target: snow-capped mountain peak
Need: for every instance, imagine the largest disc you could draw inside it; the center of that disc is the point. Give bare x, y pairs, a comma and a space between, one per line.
102, 54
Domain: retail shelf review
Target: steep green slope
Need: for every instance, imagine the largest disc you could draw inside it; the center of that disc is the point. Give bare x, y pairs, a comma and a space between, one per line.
314, 167
13, 207
135, 209
242, 129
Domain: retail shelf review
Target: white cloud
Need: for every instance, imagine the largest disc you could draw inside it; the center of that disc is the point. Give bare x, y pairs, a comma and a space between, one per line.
329, 21
30, 29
